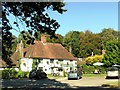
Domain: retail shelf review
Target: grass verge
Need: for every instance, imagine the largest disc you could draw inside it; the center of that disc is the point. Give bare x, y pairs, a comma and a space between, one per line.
93, 75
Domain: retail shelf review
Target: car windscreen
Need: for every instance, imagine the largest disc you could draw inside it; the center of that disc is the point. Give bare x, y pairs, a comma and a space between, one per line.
113, 69
73, 71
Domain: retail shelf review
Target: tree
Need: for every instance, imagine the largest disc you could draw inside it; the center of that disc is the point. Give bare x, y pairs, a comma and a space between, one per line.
33, 15
57, 39
108, 34
93, 59
72, 41
112, 55
89, 42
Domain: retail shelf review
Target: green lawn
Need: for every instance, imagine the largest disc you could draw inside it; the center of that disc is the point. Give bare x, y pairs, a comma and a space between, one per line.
92, 75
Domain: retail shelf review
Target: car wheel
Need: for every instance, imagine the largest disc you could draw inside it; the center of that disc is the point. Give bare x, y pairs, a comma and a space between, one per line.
107, 77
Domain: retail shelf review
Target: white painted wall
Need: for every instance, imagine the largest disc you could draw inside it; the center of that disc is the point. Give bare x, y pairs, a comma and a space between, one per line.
28, 64
46, 66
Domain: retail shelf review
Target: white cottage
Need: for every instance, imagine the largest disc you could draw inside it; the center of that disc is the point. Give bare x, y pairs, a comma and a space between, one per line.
47, 56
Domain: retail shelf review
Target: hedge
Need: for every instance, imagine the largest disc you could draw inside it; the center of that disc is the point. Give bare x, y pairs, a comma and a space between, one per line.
11, 73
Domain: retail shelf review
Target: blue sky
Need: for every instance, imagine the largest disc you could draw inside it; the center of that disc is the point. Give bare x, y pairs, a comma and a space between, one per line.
93, 16
82, 16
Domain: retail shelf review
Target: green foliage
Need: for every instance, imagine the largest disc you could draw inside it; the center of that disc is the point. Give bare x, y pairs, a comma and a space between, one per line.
108, 34
112, 53
64, 73
22, 74
11, 73
57, 39
35, 63
8, 47
88, 69
71, 40
31, 15
92, 59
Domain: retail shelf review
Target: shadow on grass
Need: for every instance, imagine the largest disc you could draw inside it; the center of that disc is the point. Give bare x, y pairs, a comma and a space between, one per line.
44, 84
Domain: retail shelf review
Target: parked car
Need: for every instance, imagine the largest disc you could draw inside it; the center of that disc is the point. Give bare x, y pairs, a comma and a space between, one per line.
112, 72
37, 74
74, 75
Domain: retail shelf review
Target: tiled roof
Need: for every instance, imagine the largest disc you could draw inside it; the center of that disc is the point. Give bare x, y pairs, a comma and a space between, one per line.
2, 63
45, 50
15, 57
48, 50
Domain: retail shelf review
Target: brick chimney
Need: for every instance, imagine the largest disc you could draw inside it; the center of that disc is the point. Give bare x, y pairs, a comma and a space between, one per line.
43, 38
20, 49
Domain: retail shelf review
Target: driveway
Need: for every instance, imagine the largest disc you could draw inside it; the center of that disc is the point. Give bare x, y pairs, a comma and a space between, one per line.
30, 84
86, 83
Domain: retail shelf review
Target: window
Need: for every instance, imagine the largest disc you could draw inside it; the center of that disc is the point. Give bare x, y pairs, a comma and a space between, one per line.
40, 60
57, 62
51, 60
61, 60
60, 69
67, 63
47, 62
24, 64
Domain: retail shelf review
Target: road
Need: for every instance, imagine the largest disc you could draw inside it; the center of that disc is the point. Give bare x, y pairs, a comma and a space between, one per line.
86, 83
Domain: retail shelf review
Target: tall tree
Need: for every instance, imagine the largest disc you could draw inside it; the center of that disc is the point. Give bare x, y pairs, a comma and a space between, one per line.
89, 42
112, 55
57, 39
33, 15
108, 34
72, 41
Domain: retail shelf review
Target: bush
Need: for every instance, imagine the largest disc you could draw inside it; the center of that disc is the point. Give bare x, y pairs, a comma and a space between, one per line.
22, 74
64, 74
102, 70
9, 73
90, 69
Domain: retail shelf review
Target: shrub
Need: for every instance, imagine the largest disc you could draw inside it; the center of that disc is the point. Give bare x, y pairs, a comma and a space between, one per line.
90, 69
22, 74
64, 74
9, 73
5, 74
